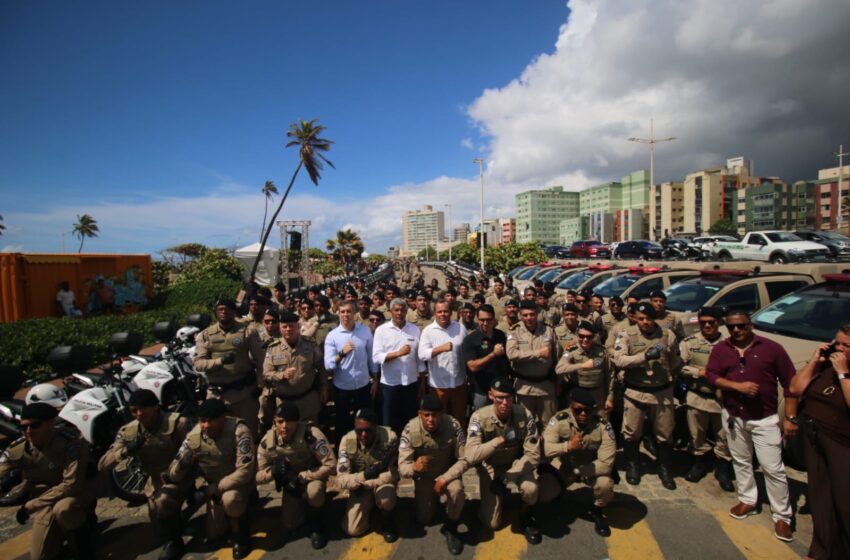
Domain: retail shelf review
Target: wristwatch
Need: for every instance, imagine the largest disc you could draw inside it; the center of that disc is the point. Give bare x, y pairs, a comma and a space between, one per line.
340, 355
793, 420
842, 376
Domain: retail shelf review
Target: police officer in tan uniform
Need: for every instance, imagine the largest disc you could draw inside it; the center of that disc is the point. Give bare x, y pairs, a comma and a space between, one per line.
607, 321
220, 449
648, 354
61, 500
431, 452
154, 436
703, 401
533, 352
327, 320
257, 306
231, 355
297, 457
545, 313
556, 300
498, 299
582, 303
503, 445
423, 315
269, 333
587, 365
580, 446
295, 368
510, 318
665, 318
368, 469
567, 331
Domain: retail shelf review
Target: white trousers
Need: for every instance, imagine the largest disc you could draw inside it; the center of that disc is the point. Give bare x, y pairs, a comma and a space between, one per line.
765, 437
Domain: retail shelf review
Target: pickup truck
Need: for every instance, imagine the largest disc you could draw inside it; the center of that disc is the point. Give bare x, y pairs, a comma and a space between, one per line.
777, 247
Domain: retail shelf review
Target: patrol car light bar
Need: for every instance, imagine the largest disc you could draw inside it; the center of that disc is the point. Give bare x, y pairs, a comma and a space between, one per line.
837, 278
725, 272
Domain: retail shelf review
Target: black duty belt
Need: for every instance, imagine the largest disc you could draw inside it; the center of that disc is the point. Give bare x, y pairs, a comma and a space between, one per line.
249, 379
648, 389
549, 377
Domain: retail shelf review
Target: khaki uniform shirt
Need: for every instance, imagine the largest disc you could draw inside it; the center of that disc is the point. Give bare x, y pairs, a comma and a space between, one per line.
599, 445
354, 458
420, 321
228, 461
307, 360
623, 358
695, 350
309, 455
534, 374
445, 447
215, 341
671, 322
485, 429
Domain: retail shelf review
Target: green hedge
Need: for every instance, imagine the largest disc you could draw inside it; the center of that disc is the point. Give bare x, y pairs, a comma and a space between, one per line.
27, 343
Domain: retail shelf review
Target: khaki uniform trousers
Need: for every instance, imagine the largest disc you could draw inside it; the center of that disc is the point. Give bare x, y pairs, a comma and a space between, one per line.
355, 522
292, 507
490, 512
243, 404
662, 417
309, 406
551, 487
51, 525
265, 416
700, 423
165, 501
426, 500
232, 506
542, 407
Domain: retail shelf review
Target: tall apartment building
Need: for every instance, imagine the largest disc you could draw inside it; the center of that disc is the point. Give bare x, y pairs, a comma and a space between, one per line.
607, 197
539, 214
766, 203
828, 198
508, 227
666, 209
461, 233
420, 229
573, 229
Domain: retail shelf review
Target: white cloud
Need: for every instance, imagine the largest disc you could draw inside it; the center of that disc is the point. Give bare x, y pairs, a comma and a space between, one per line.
467, 143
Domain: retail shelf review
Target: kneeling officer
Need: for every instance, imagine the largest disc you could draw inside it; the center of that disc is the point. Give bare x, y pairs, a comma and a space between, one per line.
431, 452
297, 457
580, 446
154, 437
55, 461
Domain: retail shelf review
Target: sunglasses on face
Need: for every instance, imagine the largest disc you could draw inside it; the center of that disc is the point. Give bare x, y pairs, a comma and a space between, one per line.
737, 326
580, 300
364, 430
582, 410
709, 322
585, 336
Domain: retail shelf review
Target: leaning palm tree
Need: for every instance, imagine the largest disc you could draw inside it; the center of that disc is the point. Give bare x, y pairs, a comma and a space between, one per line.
346, 247
311, 148
269, 190
86, 226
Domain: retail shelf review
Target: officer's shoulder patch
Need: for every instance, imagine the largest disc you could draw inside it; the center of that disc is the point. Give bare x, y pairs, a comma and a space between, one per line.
244, 445
691, 337
609, 428
562, 415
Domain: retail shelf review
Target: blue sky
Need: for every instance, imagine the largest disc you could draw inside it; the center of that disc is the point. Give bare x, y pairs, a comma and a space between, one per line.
164, 119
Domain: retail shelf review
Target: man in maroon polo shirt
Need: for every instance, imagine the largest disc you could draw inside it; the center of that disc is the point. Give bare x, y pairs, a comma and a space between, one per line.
747, 367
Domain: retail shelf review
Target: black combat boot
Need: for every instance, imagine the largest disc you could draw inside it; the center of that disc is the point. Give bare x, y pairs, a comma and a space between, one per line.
318, 540
631, 450
724, 474
452, 538
242, 543
600, 524
172, 528
388, 529
665, 460
698, 469
529, 526
649, 444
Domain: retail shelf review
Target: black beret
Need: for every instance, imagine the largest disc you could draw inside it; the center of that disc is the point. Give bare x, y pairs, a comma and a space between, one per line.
587, 292
422, 293
468, 306
479, 298
525, 304
657, 294
39, 411
569, 307
582, 396
322, 300
366, 299
143, 397
646, 309
616, 299
212, 408
410, 294
314, 289
376, 313
632, 308
572, 293
498, 280
431, 403
586, 325
272, 312
503, 385
288, 411
487, 308
715, 312
227, 302
451, 291
395, 290
280, 287
549, 286
288, 317
512, 302
366, 414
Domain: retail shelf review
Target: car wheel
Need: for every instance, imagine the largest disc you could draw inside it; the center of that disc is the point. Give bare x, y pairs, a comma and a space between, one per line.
779, 259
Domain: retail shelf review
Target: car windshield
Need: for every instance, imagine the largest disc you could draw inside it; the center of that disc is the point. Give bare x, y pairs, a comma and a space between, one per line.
835, 236
812, 315
528, 273
782, 237
550, 275
575, 280
689, 296
517, 269
616, 285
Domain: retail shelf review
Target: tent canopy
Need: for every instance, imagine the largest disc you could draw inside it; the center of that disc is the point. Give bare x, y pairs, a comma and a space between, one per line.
267, 270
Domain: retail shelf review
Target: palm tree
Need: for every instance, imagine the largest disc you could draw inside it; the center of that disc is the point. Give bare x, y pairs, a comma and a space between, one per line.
269, 190
311, 148
86, 226
2, 227
346, 247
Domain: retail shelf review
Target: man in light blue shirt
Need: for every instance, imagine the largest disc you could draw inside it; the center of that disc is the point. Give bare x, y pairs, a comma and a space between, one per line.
348, 355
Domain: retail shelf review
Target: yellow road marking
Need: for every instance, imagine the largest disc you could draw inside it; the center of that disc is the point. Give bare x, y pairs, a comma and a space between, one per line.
635, 543
17, 546
505, 545
754, 540
370, 547
256, 553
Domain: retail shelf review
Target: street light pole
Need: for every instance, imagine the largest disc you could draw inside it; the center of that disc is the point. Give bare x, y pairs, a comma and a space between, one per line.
480, 163
652, 141
449, 206
841, 153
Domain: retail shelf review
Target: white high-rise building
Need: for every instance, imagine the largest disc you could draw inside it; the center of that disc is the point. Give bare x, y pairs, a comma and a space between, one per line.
420, 229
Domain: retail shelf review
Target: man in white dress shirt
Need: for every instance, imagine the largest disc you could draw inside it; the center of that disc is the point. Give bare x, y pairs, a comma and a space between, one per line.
440, 346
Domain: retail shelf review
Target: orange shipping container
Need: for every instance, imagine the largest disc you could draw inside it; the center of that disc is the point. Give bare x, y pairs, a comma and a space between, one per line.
29, 282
